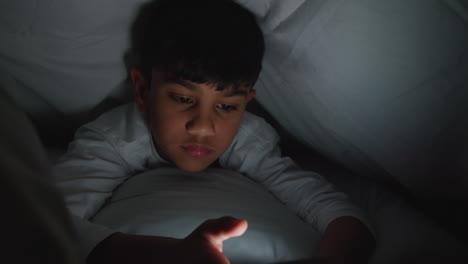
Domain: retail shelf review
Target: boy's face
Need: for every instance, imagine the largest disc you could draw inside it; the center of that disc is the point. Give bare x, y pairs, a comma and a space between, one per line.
192, 124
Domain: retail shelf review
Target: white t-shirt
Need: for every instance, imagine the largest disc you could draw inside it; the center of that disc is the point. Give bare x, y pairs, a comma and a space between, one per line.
117, 145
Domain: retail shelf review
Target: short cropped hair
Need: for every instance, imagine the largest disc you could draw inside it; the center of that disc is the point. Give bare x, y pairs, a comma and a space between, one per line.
204, 41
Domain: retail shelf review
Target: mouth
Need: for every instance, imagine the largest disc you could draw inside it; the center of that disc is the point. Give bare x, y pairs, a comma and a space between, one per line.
197, 150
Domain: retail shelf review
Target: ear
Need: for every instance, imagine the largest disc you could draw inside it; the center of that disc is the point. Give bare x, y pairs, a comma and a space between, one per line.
251, 94
140, 89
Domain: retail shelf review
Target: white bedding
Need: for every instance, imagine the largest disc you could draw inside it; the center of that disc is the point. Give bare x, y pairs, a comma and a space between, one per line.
170, 202
379, 86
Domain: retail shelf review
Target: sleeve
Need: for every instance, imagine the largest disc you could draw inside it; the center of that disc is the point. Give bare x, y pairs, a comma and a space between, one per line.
308, 194
87, 175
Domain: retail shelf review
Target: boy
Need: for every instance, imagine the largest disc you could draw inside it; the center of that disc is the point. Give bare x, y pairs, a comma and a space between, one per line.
198, 62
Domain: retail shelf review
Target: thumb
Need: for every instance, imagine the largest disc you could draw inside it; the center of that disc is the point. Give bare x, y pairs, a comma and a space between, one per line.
218, 230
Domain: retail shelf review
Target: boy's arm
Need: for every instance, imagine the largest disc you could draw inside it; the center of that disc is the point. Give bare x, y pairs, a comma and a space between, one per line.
347, 240
256, 153
89, 172
86, 176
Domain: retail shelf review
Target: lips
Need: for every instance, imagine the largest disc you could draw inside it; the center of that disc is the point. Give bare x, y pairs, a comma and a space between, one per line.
197, 150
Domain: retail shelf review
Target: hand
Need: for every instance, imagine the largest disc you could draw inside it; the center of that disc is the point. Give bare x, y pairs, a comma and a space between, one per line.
347, 240
203, 245
304, 261
317, 260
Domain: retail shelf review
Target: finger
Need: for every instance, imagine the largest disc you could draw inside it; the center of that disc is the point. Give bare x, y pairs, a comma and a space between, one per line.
218, 230
221, 229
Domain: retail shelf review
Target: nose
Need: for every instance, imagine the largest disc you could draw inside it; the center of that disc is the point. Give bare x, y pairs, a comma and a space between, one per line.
201, 125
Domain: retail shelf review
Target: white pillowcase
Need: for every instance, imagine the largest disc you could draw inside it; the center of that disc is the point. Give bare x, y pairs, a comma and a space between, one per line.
170, 202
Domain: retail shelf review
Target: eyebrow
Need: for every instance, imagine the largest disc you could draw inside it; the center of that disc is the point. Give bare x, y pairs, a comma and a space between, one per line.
186, 84
236, 93
231, 93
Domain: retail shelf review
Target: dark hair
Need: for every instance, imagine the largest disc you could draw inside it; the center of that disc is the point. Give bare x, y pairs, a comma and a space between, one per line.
204, 41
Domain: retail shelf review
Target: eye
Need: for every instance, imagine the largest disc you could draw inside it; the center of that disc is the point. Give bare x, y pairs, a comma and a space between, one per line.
226, 108
182, 99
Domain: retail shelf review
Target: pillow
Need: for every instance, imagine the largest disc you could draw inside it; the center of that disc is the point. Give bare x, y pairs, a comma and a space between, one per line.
379, 86
170, 202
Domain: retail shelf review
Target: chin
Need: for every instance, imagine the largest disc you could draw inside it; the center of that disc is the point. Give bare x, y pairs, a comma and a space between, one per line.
192, 167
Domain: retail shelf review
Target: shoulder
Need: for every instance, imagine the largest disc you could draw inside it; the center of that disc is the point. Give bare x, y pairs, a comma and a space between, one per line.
255, 128
123, 127
124, 122
122, 131
116, 118
255, 140
254, 135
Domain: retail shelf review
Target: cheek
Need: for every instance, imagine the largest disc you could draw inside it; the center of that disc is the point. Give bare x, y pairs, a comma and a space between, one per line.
167, 128
165, 125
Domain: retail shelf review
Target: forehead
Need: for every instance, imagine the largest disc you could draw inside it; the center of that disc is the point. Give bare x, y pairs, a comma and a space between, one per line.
160, 79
